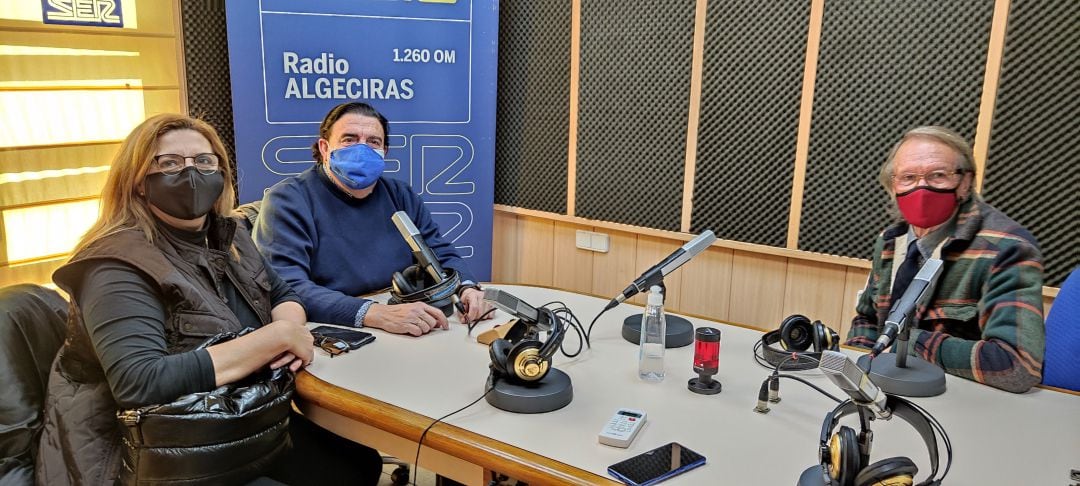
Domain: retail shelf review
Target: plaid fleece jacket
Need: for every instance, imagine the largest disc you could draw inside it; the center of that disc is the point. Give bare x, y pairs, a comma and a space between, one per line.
985, 321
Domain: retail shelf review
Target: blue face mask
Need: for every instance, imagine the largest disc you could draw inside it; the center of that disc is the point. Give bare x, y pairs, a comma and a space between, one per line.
357, 166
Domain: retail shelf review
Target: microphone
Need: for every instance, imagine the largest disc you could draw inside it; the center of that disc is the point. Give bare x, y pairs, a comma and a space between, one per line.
916, 295
847, 375
422, 252
656, 274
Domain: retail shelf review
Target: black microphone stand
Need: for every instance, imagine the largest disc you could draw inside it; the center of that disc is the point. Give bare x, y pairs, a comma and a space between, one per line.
899, 376
679, 332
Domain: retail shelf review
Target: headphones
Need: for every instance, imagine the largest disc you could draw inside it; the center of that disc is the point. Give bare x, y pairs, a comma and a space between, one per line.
416, 285
527, 360
796, 335
844, 456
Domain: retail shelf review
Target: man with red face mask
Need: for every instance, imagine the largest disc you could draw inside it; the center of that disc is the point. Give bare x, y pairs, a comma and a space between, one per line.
985, 320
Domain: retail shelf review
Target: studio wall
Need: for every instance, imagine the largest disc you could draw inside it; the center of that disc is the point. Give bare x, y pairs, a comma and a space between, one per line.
790, 108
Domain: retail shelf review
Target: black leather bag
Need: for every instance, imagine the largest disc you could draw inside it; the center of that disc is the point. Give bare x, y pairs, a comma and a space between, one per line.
225, 436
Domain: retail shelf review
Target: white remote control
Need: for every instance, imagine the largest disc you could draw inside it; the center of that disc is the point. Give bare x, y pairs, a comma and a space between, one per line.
622, 428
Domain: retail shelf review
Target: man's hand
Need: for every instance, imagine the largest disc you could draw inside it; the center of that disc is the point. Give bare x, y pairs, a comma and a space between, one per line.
416, 318
475, 305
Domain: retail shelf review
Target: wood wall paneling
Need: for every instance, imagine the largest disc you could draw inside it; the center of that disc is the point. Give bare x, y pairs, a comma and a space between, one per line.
573, 267
614, 270
757, 289
651, 250
855, 283
147, 66
35, 272
990, 88
536, 254
504, 248
56, 157
815, 290
706, 284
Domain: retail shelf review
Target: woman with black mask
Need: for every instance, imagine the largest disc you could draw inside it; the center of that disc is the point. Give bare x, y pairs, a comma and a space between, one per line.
161, 271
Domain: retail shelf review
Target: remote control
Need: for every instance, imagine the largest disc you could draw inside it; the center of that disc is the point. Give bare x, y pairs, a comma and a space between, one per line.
622, 428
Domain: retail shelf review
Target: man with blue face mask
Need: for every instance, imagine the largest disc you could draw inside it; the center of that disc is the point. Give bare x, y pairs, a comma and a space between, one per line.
328, 231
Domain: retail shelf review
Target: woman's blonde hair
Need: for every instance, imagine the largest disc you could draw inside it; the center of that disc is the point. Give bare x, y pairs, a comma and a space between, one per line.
122, 207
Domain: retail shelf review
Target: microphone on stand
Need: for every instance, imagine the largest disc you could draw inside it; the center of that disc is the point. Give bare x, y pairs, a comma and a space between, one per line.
916, 295
422, 252
656, 274
847, 375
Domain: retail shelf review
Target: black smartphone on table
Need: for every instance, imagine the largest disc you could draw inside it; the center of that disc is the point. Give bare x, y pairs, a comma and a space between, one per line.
656, 465
353, 337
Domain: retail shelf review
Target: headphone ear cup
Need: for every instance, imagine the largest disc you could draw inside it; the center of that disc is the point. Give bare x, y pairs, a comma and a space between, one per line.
894, 471
524, 361
850, 463
796, 333
499, 350
415, 276
401, 284
825, 338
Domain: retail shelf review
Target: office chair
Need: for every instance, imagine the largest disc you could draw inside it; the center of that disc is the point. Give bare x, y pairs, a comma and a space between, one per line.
32, 329
1062, 356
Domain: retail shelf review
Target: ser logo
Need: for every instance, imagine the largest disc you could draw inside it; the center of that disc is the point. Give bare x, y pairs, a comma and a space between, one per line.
100, 13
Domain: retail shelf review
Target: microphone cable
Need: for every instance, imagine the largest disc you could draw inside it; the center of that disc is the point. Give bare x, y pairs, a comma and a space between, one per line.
560, 313
770, 388
420, 443
471, 325
588, 333
759, 356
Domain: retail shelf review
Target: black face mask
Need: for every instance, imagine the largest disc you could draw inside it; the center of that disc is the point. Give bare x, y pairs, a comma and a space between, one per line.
187, 195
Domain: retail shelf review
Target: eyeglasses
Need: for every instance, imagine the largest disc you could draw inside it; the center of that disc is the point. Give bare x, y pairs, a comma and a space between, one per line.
938, 179
172, 164
331, 345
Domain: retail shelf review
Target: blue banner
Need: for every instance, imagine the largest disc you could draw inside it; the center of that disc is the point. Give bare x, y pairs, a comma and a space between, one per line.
428, 65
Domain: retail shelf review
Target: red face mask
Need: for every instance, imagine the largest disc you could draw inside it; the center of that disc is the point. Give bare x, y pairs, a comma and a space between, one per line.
926, 207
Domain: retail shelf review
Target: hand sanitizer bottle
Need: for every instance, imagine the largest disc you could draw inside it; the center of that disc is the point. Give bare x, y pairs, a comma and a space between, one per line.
653, 334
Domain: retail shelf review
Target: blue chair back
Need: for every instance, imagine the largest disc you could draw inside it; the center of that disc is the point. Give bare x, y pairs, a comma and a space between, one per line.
1061, 362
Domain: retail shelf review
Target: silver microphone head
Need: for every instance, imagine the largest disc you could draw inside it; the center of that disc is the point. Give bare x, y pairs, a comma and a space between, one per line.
404, 225
847, 375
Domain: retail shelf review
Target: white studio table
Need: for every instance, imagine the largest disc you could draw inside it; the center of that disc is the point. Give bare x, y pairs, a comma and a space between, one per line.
387, 392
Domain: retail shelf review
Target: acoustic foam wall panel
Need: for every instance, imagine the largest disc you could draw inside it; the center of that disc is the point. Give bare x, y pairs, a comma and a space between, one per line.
206, 61
1032, 170
633, 104
755, 54
885, 66
532, 105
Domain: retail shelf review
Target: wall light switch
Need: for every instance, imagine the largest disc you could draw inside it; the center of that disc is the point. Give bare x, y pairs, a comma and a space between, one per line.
600, 242
583, 239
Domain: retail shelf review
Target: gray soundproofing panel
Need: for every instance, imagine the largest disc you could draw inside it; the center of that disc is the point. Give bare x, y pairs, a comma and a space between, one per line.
1032, 170
885, 66
633, 105
755, 54
532, 118
206, 66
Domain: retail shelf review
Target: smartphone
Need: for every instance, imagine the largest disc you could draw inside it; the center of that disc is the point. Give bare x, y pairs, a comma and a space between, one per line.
656, 465
354, 338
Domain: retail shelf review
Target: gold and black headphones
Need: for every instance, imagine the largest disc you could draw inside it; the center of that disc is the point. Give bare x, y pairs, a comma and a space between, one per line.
845, 459
416, 285
529, 359
797, 334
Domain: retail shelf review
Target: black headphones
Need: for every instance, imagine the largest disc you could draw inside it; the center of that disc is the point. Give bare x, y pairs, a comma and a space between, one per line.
795, 335
527, 360
844, 456
416, 285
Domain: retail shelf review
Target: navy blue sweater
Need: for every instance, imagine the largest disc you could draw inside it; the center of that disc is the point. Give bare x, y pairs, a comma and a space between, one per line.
331, 247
